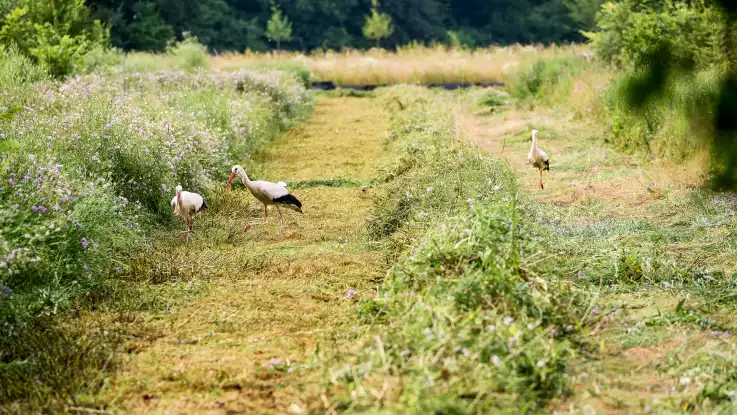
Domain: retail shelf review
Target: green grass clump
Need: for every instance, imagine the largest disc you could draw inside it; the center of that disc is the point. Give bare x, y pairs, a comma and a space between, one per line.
133, 62
88, 171
492, 99
476, 316
546, 80
17, 69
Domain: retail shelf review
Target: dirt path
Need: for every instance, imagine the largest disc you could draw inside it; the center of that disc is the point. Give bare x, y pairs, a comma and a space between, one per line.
247, 344
582, 169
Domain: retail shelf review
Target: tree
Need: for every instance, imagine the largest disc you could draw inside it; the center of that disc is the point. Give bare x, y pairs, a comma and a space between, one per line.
148, 30
278, 28
378, 25
583, 12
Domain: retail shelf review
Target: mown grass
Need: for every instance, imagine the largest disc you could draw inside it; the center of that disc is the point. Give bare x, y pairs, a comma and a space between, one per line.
652, 246
247, 343
494, 302
627, 304
475, 315
89, 165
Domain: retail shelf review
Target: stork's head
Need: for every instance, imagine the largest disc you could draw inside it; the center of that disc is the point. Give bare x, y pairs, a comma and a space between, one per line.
179, 188
534, 133
237, 170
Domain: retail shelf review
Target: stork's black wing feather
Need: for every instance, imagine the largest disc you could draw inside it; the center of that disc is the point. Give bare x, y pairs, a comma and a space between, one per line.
288, 199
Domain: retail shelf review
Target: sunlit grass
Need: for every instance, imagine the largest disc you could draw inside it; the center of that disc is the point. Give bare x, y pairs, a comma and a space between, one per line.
412, 64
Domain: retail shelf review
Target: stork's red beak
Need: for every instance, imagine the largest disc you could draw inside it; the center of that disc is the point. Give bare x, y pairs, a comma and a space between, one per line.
232, 176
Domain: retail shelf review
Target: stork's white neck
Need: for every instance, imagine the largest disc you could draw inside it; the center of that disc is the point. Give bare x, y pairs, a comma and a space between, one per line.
244, 177
534, 141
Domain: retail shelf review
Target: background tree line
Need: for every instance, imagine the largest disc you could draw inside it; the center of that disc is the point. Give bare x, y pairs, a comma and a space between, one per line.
225, 25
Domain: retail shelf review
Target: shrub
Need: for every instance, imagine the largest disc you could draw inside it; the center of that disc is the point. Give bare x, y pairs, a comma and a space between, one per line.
629, 29
189, 54
56, 35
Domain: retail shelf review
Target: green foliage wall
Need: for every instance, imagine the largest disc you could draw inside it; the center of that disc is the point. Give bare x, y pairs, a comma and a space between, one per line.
239, 24
56, 34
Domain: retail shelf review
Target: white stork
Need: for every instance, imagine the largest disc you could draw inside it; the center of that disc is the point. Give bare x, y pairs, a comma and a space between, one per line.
187, 205
538, 158
267, 193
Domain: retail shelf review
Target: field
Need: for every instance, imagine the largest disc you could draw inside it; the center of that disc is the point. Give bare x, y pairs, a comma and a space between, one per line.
428, 273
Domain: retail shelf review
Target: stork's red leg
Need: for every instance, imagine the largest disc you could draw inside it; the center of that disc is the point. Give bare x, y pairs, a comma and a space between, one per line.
541, 180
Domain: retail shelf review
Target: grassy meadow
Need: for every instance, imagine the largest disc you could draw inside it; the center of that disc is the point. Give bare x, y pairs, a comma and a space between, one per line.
427, 275
408, 65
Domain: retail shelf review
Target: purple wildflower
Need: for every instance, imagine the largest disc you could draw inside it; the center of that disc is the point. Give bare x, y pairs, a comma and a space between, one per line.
117, 269
85, 267
34, 208
580, 274
666, 285
274, 362
26, 178
11, 182
351, 293
5, 291
57, 166
78, 226
84, 242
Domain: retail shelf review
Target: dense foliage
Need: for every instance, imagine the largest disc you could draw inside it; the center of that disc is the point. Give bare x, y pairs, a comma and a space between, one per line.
680, 77
628, 30
237, 24
58, 35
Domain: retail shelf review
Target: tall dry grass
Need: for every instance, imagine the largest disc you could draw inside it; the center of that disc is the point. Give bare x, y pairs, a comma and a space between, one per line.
411, 64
